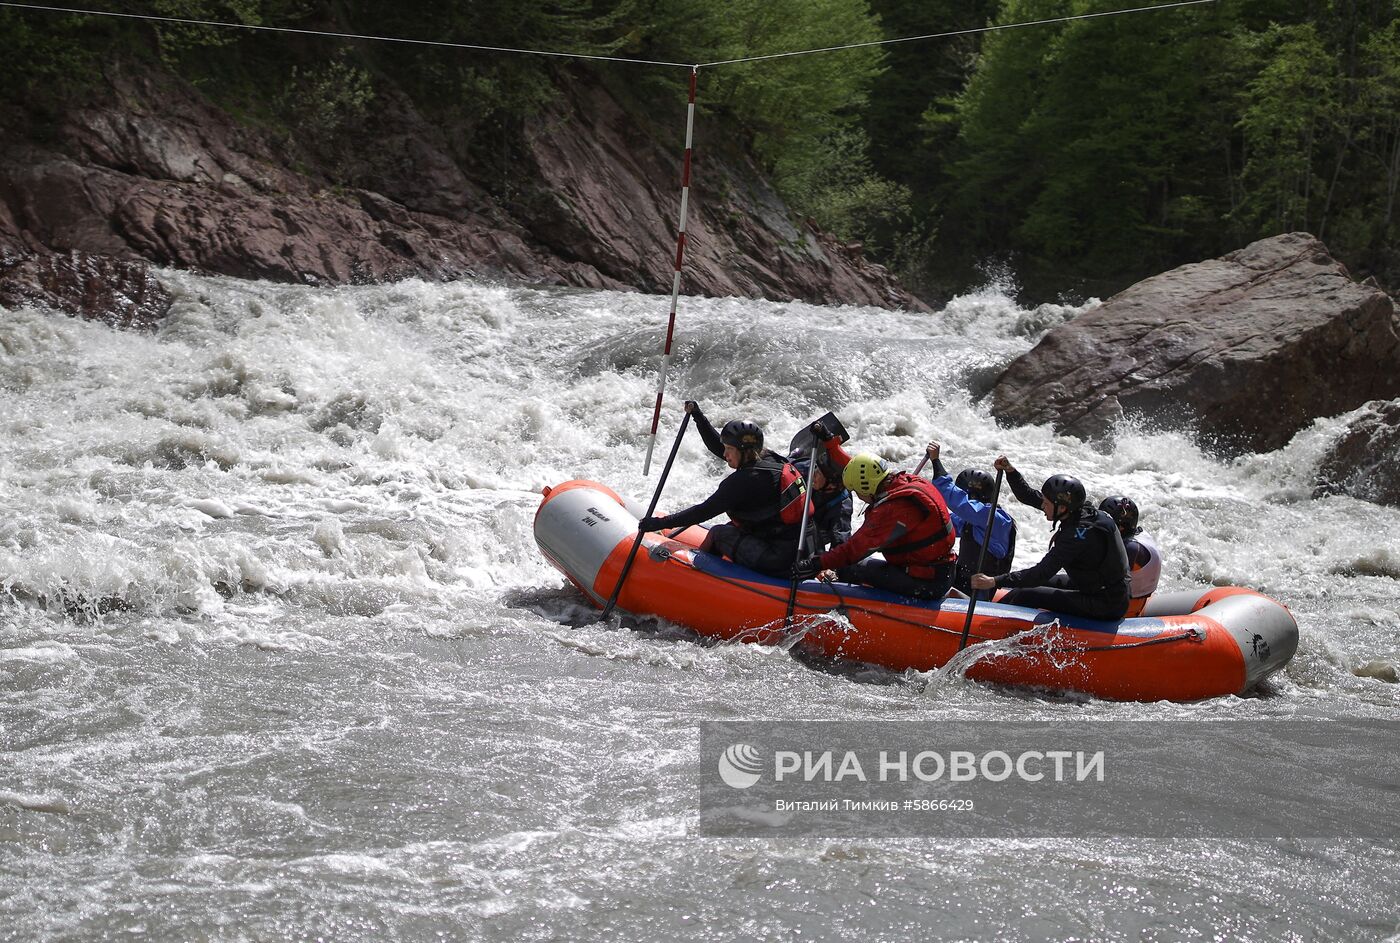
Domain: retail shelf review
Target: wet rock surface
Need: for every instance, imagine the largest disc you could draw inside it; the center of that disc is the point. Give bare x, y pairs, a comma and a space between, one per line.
1244, 350
124, 294
1364, 461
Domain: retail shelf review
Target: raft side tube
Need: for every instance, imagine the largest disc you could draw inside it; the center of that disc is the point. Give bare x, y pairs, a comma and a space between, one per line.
578, 528
1263, 628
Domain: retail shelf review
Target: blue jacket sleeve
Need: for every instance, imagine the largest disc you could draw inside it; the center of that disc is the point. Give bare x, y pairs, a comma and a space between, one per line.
969, 512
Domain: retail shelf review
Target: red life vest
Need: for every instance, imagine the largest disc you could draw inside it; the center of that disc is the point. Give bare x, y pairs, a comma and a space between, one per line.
789, 495
930, 542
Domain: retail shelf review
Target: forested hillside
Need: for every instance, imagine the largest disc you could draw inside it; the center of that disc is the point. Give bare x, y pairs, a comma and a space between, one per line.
1076, 156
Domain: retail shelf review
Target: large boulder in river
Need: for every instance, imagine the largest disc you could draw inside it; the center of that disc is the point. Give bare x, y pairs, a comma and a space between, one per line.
1364, 461
1245, 350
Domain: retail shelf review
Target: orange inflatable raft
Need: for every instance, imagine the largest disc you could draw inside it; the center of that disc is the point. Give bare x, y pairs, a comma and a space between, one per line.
1184, 647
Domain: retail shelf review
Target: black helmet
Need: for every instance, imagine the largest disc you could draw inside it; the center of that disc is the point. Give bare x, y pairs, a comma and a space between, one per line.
1124, 512
975, 483
742, 434
1063, 491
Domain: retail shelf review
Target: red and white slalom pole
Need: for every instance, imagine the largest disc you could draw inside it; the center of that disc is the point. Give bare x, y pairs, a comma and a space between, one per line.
676, 277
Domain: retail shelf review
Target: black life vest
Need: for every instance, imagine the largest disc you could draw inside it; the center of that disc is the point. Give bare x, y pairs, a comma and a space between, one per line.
928, 543
783, 513
1108, 575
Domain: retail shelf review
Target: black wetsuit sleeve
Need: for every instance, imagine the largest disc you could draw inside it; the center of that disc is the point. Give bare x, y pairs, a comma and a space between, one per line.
1023, 491
708, 435
737, 490
1064, 552
938, 470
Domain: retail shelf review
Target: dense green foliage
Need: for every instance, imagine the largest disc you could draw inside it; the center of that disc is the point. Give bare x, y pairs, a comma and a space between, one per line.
1080, 155
1095, 152
802, 114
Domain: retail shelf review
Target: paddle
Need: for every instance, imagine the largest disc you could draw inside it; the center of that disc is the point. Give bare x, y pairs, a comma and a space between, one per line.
981, 559
656, 496
806, 440
801, 544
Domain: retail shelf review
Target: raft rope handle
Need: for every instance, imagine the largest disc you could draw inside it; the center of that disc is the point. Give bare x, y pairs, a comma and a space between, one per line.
846, 608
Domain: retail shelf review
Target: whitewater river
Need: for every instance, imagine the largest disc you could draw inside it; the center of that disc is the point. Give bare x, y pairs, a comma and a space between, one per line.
279, 659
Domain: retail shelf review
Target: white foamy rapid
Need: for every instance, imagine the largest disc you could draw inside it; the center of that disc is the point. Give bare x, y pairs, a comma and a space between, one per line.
279, 658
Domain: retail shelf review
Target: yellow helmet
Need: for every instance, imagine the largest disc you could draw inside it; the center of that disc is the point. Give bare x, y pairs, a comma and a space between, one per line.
864, 473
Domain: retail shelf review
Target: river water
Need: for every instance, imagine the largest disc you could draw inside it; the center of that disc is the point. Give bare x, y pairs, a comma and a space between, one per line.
279, 659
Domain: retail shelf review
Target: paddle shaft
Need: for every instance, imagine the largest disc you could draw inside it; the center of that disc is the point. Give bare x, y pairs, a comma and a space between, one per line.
981, 559
656, 496
801, 536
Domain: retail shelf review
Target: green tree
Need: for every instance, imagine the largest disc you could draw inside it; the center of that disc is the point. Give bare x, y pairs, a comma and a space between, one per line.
1292, 103
1095, 151
784, 103
801, 114
913, 93
1380, 107
832, 179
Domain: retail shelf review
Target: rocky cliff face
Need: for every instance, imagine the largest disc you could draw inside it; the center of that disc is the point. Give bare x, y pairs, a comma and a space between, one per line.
1244, 350
155, 173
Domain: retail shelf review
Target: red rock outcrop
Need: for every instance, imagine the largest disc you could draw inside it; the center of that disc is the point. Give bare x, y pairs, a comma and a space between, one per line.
619, 215
124, 294
155, 173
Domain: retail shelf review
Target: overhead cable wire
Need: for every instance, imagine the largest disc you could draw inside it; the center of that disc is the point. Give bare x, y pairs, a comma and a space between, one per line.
183, 21
334, 35
958, 32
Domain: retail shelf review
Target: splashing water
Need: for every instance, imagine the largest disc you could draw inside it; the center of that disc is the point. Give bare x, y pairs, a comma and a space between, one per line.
280, 658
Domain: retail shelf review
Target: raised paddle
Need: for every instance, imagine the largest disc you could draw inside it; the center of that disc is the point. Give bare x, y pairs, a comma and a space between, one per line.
656, 496
981, 559
806, 440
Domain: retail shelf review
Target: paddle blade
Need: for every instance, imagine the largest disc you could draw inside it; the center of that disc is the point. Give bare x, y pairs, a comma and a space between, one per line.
805, 440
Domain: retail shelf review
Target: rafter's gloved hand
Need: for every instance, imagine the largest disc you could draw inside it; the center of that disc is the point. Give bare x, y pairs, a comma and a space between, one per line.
806, 568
